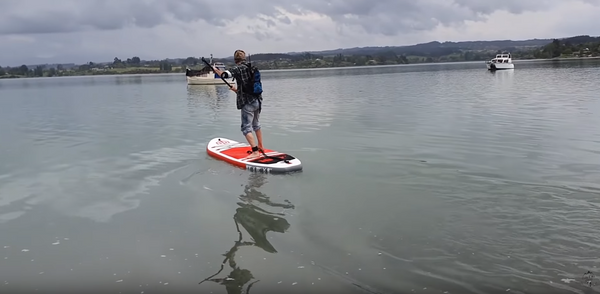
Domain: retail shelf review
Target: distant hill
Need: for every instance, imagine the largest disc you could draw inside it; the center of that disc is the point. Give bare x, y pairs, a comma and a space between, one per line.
580, 39
430, 49
433, 48
435, 51
436, 48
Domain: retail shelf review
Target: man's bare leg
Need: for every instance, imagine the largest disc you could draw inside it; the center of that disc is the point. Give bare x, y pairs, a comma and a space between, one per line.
250, 139
259, 137
252, 117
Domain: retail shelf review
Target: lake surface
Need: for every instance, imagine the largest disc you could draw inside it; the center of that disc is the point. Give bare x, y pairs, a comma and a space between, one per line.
439, 178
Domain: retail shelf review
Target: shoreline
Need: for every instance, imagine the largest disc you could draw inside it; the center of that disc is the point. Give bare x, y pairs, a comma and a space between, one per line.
159, 72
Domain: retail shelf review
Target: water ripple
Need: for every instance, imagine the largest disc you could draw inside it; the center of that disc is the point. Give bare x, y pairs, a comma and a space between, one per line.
95, 189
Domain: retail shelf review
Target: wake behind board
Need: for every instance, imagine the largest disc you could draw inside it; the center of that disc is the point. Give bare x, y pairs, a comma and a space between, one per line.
237, 153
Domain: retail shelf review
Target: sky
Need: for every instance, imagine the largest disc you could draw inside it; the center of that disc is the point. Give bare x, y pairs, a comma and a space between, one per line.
80, 31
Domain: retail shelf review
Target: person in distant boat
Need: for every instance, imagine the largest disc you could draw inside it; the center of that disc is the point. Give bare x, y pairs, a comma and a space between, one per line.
249, 103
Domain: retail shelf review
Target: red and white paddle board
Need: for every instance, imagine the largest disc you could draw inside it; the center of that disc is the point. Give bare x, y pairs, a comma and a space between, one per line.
237, 153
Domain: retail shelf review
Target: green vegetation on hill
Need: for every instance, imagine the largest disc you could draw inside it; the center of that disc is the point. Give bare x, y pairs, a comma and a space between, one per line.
573, 47
580, 46
132, 65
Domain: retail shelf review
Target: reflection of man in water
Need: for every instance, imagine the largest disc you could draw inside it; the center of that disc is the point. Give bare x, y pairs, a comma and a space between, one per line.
257, 222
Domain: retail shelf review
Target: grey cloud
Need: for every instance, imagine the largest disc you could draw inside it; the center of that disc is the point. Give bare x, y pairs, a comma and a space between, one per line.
261, 36
285, 20
514, 6
387, 17
63, 16
269, 22
393, 17
38, 17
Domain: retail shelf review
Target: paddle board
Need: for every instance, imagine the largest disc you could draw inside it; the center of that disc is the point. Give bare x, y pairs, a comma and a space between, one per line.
237, 153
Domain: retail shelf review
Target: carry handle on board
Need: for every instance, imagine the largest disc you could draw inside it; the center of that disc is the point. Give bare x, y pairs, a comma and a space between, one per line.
204, 60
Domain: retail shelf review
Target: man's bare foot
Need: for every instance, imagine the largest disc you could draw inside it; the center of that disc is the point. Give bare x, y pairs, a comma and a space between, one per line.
254, 155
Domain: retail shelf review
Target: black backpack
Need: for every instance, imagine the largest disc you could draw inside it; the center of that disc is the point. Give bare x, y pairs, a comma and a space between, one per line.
254, 85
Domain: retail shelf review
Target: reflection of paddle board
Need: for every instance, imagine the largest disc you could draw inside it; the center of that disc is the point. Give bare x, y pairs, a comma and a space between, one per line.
236, 153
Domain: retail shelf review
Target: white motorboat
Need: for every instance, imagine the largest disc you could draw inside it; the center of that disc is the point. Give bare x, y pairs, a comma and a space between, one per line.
501, 61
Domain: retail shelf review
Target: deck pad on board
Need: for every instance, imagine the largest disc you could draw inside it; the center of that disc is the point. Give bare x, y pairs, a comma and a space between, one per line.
238, 153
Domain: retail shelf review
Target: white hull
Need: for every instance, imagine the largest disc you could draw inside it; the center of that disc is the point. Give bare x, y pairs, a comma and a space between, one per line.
500, 62
499, 66
207, 80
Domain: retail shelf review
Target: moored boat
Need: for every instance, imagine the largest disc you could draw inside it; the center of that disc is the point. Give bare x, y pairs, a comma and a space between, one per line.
501, 61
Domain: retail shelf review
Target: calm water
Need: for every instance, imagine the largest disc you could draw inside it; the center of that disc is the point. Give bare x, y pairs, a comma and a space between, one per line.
422, 178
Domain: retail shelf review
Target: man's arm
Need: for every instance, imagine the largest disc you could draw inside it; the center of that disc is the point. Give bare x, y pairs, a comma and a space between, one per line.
225, 74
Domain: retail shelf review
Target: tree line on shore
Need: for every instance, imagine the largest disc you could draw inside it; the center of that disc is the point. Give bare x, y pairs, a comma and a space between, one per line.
578, 46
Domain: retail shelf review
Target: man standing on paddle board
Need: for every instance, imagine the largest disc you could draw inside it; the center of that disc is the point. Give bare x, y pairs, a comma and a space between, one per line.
249, 103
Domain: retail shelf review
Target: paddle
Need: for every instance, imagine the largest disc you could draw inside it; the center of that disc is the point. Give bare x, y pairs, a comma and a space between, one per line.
204, 60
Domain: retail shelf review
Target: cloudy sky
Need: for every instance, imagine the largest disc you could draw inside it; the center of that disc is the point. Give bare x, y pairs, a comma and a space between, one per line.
47, 31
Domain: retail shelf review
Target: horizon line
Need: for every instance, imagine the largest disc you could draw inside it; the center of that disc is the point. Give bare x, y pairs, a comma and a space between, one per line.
324, 50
